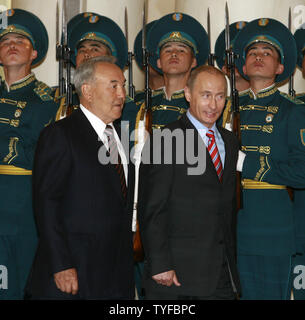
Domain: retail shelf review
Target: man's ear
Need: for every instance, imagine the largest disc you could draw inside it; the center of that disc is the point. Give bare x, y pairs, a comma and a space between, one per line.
280, 69
244, 69
87, 91
187, 94
159, 64
194, 63
224, 69
34, 54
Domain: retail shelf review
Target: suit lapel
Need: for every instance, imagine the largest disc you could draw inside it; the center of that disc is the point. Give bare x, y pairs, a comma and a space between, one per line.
87, 133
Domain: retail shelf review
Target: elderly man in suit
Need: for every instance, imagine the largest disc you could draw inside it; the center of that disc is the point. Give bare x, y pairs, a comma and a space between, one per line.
81, 202
187, 220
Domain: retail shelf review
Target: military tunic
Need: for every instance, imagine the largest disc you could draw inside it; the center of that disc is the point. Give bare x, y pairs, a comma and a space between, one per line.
271, 124
26, 107
166, 110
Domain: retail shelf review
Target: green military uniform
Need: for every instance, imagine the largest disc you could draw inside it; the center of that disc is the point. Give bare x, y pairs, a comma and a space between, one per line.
298, 285
91, 26
26, 107
177, 27
272, 136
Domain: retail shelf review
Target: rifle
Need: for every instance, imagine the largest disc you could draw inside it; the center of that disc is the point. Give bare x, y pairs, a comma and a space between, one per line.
131, 88
230, 61
63, 55
144, 124
291, 90
147, 90
211, 55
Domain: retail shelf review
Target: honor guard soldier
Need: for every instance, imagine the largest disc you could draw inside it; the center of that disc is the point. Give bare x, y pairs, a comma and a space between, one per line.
220, 52
26, 108
272, 138
177, 43
156, 80
91, 35
298, 261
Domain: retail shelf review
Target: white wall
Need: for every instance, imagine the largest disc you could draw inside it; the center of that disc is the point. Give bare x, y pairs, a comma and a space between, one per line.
239, 10
46, 11
246, 10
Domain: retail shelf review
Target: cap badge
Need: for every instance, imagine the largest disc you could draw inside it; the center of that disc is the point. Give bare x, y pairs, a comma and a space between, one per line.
93, 19
263, 22
177, 16
87, 14
175, 34
240, 25
10, 12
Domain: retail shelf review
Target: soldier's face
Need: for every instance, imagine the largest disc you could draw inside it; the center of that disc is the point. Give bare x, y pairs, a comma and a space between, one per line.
89, 49
262, 62
207, 97
176, 58
16, 50
105, 95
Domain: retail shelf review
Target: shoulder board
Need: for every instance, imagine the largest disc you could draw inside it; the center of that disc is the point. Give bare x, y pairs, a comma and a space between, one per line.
43, 91
293, 100
128, 98
300, 95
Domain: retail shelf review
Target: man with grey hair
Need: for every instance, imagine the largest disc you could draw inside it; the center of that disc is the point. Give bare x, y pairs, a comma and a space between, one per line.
83, 207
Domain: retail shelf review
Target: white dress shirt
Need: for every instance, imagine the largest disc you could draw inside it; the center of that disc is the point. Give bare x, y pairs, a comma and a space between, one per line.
202, 130
99, 127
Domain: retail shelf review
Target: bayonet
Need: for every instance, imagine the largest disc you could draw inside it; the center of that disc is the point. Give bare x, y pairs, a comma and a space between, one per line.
291, 82
211, 55
230, 62
227, 30
59, 54
145, 59
57, 23
131, 88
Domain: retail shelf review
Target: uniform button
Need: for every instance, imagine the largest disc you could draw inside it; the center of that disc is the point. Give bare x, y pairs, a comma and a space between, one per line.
220, 242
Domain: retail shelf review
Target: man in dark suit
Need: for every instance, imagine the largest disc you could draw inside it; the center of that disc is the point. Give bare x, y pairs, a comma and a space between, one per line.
187, 213
81, 203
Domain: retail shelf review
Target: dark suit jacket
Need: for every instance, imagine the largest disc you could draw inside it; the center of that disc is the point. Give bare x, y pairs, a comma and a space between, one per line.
188, 222
82, 218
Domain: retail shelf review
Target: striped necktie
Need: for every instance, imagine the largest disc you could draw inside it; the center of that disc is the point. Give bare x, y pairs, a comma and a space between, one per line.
214, 153
115, 158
